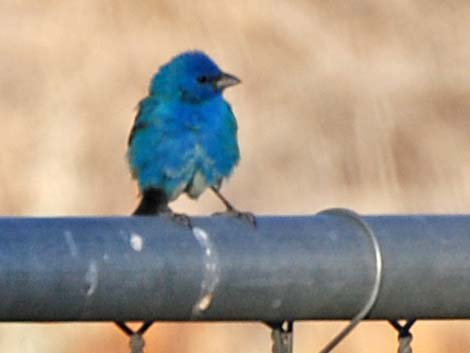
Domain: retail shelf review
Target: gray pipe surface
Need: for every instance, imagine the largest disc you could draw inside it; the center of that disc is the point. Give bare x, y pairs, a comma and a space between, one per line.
288, 268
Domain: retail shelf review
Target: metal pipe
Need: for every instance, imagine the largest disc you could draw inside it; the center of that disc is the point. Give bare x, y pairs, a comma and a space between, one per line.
288, 268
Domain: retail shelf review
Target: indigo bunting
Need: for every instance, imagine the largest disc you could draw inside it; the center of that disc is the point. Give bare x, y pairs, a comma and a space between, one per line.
184, 138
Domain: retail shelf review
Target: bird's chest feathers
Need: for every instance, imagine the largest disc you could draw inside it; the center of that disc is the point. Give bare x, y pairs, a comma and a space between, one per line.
194, 123
198, 119
194, 130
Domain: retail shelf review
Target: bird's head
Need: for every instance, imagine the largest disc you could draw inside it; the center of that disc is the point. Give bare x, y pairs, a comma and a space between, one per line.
191, 76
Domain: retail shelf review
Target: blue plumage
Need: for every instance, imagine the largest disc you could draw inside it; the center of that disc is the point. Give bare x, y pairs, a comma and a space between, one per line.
184, 138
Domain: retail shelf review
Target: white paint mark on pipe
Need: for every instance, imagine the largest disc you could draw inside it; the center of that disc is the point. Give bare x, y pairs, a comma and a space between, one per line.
91, 278
211, 274
71, 243
137, 242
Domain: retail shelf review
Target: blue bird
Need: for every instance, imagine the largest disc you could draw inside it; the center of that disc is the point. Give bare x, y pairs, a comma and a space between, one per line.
184, 138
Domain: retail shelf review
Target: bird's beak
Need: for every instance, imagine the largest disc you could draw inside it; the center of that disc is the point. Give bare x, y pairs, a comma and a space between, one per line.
226, 80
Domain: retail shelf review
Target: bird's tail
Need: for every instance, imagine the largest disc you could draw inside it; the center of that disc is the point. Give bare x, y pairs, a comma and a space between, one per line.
154, 201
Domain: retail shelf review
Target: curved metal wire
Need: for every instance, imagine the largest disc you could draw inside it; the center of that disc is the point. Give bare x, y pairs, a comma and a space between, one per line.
374, 293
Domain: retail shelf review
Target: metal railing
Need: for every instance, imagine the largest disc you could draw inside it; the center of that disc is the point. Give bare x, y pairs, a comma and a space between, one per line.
331, 266
288, 268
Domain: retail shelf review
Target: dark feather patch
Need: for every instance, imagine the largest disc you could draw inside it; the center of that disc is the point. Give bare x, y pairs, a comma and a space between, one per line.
154, 201
137, 126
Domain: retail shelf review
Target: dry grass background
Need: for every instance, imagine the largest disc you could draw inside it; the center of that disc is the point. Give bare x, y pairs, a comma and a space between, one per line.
362, 104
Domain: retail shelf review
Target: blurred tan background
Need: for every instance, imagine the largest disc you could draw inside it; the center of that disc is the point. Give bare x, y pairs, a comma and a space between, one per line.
360, 104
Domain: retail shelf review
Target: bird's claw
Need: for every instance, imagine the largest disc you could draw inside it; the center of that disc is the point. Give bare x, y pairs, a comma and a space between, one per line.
244, 216
181, 219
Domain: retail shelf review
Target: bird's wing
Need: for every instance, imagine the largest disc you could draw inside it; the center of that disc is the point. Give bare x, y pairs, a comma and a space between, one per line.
142, 109
138, 125
160, 150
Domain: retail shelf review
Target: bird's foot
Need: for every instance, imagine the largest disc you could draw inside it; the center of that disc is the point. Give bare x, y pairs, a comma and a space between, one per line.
244, 216
232, 211
180, 219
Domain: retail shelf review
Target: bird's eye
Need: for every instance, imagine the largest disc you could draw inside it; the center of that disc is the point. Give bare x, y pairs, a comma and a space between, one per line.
202, 79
